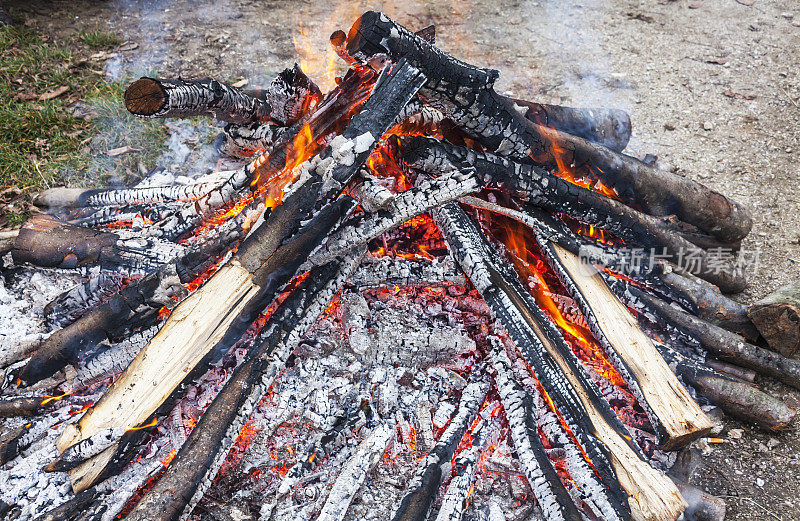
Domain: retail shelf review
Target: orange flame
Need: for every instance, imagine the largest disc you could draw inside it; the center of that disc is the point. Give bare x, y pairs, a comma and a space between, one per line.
152, 423
48, 398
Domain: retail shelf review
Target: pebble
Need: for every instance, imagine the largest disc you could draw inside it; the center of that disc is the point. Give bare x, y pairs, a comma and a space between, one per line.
669, 126
707, 125
735, 434
772, 443
759, 482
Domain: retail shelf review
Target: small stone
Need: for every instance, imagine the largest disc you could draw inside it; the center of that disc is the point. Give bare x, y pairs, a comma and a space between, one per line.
787, 15
788, 150
669, 126
759, 482
707, 125
735, 434
772, 443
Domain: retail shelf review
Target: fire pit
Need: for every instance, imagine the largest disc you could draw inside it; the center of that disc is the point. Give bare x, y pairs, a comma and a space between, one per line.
415, 298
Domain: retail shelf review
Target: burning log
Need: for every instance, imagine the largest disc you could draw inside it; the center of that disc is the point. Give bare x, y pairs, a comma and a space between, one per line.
193, 469
176, 98
70, 305
426, 196
635, 354
214, 317
610, 128
548, 192
777, 318
428, 477
589, 417
51, 243
355, 472
456, 498
387, 272
289, 95
465, 94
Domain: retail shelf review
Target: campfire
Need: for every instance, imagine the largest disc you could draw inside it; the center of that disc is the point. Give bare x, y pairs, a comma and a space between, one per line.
412, 297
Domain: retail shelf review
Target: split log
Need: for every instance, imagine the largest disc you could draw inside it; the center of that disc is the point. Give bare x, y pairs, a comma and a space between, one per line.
578, 400
192, 471
465, 94
176, 98
355, 472
723, 344
23, 406
548, 192
777, 318
49, 242
424, 486
692, 293
677, 417
203, 326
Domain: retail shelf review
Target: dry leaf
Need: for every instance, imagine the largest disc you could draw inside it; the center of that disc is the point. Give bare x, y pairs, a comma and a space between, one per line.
127, 46
696, 5
122, 150
25, 96
737, 95
241, 83
58, 91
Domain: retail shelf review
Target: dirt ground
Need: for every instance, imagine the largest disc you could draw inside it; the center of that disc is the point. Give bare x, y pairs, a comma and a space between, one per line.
712, 88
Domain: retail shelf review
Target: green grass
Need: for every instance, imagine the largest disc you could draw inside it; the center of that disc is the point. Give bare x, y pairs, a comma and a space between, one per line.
41, 142
98, 39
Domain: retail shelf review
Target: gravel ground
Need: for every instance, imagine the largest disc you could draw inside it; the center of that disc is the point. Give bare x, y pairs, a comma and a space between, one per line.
712, 88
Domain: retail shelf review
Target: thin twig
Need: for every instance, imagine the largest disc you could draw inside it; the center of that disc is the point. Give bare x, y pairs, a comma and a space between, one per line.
793, 102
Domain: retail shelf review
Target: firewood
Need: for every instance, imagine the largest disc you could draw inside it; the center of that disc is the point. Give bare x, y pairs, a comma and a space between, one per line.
743, 401
289, 95
456, 499
71, 304
137, 305
424, 486
740, 373
355, 472
514, 310
195, 466
465, 94
49, 242
244, 141
608, 127
676, 414
388, 272
777, 317
203, 324
24, 406
694, 294
602, 435
170, 98
702, 505
723, 344
553, 194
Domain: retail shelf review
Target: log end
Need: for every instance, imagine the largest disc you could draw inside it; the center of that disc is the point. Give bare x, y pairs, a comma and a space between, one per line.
145, 97
777, 318
60, 198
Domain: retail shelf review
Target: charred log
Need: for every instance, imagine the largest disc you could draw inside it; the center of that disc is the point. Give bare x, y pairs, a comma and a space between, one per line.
244, 141
465, 94
556, 195
176, 98
723, 344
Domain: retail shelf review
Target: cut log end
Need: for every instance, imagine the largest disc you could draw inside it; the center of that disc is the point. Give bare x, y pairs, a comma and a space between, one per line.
145, 97
777, 318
